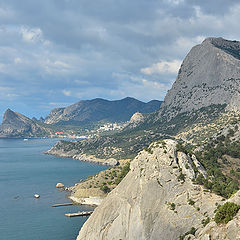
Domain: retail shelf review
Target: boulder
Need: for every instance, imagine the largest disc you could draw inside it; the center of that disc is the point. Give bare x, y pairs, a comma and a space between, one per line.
59, 185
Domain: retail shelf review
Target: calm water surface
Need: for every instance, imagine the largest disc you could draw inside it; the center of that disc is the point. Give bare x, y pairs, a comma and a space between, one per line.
24, 171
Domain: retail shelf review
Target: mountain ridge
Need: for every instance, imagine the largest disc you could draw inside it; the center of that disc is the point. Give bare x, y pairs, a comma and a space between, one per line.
99, 109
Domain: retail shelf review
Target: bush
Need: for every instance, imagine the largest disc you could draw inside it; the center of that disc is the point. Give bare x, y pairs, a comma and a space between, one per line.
226, 212
105, 188
191, 202
205, 221
192, 231
172, 206
123, 173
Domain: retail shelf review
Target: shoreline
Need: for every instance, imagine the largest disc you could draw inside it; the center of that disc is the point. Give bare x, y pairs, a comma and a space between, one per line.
90, 201
83, 157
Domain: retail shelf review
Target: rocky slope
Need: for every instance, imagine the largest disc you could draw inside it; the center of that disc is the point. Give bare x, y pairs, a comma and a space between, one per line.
210, 74
17, 125
157, 200
100, 109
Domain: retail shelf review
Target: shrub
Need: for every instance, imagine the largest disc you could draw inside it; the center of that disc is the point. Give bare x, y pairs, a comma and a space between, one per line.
123, 173
172, 206
205, 221
181, 176
191, 202
192, 231
226, 212
105, 188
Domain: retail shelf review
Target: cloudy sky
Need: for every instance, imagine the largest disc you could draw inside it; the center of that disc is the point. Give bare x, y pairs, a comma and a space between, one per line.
57, 52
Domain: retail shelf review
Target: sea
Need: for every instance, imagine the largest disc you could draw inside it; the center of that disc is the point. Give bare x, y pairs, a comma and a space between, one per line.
24, 171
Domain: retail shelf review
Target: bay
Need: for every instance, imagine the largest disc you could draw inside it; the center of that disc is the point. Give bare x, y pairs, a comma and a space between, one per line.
25, 171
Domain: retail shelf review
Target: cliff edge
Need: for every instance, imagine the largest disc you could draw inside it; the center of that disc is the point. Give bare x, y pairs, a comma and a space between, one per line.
156, 200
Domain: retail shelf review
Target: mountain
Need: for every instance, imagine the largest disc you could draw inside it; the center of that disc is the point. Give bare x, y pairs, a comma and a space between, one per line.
17, 125
185, 185
202, 101
210, 74
159, 199
100, 109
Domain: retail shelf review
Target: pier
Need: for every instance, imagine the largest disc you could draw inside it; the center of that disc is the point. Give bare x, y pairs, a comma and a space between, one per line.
62, 204
78, 214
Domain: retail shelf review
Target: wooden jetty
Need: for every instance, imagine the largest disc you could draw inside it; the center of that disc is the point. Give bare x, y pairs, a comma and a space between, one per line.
62, 204
78, 214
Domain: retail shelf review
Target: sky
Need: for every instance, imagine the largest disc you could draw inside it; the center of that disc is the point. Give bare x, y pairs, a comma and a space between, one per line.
57, 52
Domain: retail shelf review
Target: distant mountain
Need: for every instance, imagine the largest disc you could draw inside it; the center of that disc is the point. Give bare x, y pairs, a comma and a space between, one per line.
17, 125
100, 109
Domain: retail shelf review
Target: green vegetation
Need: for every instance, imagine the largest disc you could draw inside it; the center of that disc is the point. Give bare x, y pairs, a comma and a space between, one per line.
123, 173
188, 149
205, 221
172, 206
181, 177
226, 212
149, 150
192, 231
105, 188
218, 182
191, 202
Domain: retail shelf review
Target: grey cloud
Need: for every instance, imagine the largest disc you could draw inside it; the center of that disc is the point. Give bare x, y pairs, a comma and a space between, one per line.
98, 48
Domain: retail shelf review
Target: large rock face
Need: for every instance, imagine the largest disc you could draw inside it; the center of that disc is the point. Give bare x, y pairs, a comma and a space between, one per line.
210, 74
153, 201
100, 109
17, 125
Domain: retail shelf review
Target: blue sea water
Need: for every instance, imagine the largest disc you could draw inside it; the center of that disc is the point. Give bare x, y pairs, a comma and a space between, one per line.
24, 171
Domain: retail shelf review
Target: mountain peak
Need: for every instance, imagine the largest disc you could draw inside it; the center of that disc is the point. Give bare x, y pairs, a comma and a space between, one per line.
209, 75
9, 114
17, 125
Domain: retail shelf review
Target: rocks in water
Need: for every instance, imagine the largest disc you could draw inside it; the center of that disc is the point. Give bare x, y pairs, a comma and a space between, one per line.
36, 195
60, 185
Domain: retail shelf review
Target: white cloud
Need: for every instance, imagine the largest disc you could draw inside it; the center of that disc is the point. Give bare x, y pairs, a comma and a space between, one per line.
186, 43
17, 60
67, 93
7, 92
175, 2
163, 67
31, 34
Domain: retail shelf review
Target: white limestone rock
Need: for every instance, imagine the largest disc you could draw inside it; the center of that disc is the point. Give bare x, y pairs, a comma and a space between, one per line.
140, 206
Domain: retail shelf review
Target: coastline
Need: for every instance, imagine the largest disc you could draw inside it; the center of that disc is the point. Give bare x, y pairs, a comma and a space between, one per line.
81, 157
90, 201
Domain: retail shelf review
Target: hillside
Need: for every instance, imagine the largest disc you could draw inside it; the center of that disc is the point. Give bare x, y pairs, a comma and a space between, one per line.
99, 109
158, 199
204, 97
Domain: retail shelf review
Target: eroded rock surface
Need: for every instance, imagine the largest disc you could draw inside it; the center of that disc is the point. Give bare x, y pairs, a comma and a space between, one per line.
156, 200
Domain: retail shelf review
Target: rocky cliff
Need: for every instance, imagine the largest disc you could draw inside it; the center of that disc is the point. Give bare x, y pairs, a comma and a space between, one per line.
17, 125
100, 109
210, 74
158, 200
